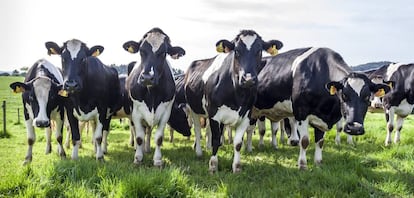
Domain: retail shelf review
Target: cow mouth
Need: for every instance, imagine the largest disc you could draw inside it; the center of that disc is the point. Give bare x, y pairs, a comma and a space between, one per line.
354, 129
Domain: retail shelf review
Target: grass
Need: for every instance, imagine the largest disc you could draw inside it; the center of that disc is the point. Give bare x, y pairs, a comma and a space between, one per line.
368, 169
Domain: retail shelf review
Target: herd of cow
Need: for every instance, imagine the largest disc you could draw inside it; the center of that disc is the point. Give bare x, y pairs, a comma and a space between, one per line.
312, 87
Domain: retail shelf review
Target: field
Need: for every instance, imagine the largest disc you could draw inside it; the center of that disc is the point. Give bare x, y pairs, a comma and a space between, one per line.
368, 169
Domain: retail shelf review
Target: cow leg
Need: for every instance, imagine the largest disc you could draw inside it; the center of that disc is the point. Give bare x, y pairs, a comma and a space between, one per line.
216, 134
105, 134
400, 121
303, 142
261, 123
283, 131
31, 138
147, 142
159, 135
238, 141
74, 126
318, 146
139, 137
171, 133
68, 134
208, 135
197, 133
389, 116
58, 134
230, 134
98, 140
339, 128
274, 126
249, 139
82, 125
48, 132
92, 124
132, 135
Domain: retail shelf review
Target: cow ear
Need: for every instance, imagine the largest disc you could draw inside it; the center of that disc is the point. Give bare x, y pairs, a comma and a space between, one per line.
53, 48
224, 46
380, 90
131, 66
333, 87
272, 47
19, 87
131, 46
96, 50
176, 52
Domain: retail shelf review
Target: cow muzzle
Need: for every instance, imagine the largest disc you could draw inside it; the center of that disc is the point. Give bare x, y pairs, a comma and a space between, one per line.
42, 123
71, 86
146, 79
354, 128
247, 80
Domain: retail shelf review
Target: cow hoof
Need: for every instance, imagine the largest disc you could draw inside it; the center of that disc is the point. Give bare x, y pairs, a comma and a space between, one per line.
100, 159
158, 163
137, 163
237, 168
26, 162
302, 165
294, 142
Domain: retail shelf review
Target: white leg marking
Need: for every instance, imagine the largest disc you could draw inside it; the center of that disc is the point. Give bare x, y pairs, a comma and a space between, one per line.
274, 127
400, 121
48, 132
262, 128
390, 125
238, 141
304, 141
31, 137
197, 133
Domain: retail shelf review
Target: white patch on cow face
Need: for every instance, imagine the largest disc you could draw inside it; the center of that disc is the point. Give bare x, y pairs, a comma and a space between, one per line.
216, 65
392, 68
300, 58
86, 116
317, 122
41, 88
73, 46
227, 116
356, 84
248, 40
52, 69
155, 39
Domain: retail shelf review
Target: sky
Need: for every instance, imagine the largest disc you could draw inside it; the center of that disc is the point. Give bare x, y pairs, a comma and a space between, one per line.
361, 31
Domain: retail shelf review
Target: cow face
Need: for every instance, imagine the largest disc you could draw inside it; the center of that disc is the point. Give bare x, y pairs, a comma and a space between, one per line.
354, 92
73, 55
247, 48
39, 98
153, 48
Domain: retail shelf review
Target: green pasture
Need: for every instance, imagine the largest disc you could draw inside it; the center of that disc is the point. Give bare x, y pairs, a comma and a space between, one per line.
367, 169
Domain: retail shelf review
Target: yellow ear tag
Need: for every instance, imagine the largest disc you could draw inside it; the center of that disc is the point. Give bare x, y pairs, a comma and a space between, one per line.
380, 93
18, 89
96, 53
131, 49
332, 90
272, 50
53, 51
63, 93
220, 48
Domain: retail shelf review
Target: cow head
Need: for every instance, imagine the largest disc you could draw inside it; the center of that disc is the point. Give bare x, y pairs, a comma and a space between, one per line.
247, 51
73, 54
39, 98
153, 48
354, 92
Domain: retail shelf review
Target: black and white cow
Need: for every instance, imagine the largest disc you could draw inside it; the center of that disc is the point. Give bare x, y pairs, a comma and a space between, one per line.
400, 100
224, 88
42, 103
151, 87
92, 90
317, 87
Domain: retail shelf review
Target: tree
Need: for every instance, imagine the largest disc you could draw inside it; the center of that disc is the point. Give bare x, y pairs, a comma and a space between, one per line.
15, 72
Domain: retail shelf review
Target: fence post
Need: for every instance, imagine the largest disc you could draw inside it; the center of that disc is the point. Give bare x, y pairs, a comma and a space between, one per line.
18, 115
4, 117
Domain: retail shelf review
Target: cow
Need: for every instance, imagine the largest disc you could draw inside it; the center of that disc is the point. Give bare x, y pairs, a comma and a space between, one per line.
317, 87
151, 88
223, 89
42, 103
400, 100
91, 89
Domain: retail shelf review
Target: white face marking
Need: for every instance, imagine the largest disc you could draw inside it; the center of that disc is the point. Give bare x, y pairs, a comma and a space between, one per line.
42, 88
227, 116
356, 84
73, 46
217, 63
300, 58
248, 40
52, 69
392, 68
155, 39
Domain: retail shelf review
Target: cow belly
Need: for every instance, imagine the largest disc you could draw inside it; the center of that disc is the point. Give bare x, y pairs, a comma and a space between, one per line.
318, 123
85, 116
151, 118
404, 109
279, 111
227, 116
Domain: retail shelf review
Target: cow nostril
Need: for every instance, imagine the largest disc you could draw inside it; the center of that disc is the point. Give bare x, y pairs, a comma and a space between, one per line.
42, 123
